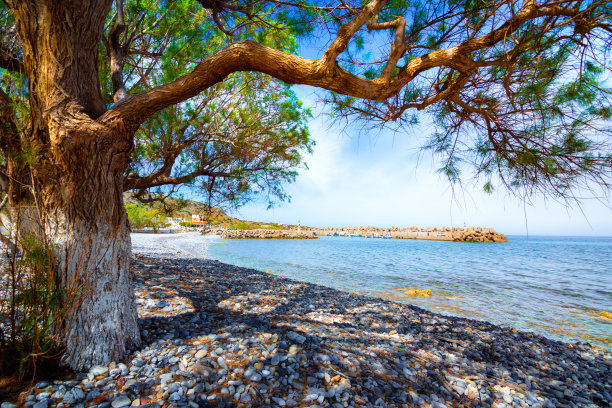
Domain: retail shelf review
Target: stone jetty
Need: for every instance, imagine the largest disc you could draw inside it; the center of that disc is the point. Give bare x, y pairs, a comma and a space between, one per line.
264, 234
471, 234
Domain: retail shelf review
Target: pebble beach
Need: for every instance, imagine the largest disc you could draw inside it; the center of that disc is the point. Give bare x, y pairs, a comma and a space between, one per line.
218, 335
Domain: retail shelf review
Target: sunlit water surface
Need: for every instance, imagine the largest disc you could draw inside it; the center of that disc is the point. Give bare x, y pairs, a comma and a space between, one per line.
556, 286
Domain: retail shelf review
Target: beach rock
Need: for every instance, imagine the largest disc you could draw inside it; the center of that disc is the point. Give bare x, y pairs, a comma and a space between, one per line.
121, 401
416, 292
138, 362
606, 315
98, 370
42, 384
298, 338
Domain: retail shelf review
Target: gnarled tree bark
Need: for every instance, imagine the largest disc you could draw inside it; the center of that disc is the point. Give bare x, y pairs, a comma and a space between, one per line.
77, 169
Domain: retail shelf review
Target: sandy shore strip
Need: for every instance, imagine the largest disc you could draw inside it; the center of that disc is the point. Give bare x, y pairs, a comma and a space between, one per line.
217, 335
173, 246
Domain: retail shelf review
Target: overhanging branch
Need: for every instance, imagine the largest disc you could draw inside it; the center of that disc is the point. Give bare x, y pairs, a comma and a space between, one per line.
139, 183
324, 73
116, 54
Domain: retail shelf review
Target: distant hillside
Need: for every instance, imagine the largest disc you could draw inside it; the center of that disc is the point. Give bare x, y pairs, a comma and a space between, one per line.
216, 216
184, 208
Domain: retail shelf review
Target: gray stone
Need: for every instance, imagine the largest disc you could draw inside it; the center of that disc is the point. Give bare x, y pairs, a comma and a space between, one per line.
222, 363
42, 404
279, 401
42, 396
59, 394
255, 377
175, 396
166, 377
69, 398
138, 362
93, 394
78, 393
7, 405
42, 384
298, 338
121, 401
310, 398
98, 370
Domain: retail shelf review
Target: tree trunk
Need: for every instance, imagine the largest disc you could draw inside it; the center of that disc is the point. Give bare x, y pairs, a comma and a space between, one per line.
75, 167
95, 254
81, 215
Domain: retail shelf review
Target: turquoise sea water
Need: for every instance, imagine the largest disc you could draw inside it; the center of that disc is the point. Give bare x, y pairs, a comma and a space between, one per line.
555, 286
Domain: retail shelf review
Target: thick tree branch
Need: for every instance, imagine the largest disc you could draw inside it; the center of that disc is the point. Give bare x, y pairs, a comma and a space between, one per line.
137, 183
324, 73
346, 32
116, 55
399, 44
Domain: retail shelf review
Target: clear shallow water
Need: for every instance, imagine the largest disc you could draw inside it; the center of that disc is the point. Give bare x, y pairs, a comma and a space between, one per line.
555, 286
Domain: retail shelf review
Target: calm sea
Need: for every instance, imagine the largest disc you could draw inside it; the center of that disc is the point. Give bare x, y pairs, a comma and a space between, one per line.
555, 286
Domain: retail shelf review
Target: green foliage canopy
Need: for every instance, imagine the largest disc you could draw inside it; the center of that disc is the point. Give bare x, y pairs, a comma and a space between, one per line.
522, 103
530, 113
242, 137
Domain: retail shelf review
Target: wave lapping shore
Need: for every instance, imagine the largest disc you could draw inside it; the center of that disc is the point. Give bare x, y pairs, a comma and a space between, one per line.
217, 335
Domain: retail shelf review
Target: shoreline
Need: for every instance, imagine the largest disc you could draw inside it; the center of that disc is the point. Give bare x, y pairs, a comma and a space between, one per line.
440, 280
218, 335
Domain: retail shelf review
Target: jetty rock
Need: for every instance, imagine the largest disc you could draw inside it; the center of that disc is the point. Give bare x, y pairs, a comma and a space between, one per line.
265, 234
479, 235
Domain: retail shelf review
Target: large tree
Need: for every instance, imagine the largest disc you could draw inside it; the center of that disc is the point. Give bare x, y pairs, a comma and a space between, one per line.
517, 87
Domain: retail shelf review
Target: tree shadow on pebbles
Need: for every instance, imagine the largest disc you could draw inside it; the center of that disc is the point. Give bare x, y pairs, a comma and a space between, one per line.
232, 336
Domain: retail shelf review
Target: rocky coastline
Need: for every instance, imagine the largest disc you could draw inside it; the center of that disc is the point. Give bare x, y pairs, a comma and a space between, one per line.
217, 335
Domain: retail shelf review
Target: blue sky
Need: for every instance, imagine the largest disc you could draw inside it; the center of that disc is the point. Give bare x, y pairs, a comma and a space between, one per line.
384, 179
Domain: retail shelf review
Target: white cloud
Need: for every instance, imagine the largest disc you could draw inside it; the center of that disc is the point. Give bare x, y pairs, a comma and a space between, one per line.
380, 181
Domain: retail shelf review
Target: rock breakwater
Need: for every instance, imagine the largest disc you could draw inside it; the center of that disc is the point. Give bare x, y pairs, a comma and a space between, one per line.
472, 234
217, 335
264, 234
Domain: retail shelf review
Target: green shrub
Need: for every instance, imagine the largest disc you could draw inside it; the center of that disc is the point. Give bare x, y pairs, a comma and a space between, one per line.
141, 217
32, 309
